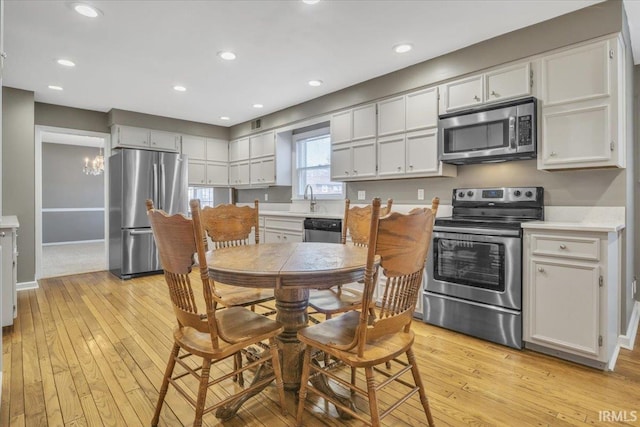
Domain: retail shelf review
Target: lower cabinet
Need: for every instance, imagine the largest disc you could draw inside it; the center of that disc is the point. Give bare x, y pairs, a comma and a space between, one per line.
283, 229
9, 258
570, 298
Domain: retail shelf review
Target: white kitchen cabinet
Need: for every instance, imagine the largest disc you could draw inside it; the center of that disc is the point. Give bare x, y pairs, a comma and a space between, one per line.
283, 230
133, 137
392, 155
341, 127
364, 122
239, 173
571, 295
239, 149
421, 109
262, 171
495, 85
262, 144
391, 116
208, 160
341, 161
353, 161
9, 259
580, 121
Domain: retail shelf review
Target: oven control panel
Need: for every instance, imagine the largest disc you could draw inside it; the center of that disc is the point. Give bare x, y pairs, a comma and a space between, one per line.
498, 194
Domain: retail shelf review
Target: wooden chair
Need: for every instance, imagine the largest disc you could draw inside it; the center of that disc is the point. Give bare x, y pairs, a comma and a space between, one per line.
356, 223
213, 335
229, 225
359, 341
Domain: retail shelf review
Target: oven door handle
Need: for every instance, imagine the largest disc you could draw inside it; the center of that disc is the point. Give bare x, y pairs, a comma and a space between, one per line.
437, 231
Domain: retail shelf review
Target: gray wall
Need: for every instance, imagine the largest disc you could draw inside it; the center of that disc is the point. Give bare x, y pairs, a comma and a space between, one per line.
18, 172
70, 118
132, 118
64, 185
275, 195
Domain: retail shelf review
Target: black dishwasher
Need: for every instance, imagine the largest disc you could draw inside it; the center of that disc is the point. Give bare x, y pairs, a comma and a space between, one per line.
322, 230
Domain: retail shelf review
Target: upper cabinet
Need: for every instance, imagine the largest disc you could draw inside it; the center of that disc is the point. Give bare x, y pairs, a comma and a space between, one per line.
495, 85
208, 160
133, 137
353, 143
581, 123
260, 160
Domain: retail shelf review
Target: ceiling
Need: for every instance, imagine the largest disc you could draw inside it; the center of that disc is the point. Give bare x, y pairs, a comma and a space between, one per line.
132, 55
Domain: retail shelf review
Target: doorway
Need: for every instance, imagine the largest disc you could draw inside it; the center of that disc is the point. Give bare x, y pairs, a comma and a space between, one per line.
71, 201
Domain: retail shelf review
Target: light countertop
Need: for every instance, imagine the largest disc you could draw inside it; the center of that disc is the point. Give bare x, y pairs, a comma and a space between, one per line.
580, 218
9, 221
573, 226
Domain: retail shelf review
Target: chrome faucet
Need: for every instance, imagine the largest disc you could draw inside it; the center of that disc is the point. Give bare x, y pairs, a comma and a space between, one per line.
312, 200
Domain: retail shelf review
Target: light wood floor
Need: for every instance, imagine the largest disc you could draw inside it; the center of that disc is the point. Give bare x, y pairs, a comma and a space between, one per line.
91, 350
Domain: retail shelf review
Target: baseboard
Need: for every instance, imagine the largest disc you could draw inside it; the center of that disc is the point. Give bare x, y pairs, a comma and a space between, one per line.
627, 341
25, 286
75, 242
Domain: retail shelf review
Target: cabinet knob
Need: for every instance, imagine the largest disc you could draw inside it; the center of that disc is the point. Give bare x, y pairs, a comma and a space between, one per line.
355, 172
493, 93
541, 270
552, 154
475, 98
2, 234
410, 166
563, 246
346, 172
284, 237
399, 168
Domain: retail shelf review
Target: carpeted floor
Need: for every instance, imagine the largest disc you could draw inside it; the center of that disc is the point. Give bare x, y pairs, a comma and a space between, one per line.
63, 260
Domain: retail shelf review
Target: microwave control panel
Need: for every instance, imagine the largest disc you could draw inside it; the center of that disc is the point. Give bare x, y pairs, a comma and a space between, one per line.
525, 130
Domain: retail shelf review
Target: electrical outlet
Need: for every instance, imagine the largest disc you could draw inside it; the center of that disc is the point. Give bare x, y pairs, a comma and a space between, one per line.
361, 195
266, 197
634, 289
420, 193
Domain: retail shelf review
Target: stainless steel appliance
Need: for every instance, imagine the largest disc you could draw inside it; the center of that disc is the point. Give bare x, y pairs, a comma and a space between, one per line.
134, 177
497, 133
474, 270
322, 230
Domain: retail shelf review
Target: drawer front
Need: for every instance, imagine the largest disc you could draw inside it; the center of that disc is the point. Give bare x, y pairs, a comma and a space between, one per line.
587, 248
289, 224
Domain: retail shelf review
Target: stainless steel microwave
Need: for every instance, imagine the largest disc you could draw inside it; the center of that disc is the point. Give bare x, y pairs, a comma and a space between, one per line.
496, 133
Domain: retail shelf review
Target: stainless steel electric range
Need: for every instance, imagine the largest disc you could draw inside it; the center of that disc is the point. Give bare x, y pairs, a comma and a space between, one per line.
474, 270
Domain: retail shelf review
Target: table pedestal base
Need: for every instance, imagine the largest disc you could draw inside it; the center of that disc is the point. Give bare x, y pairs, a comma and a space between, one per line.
291, 305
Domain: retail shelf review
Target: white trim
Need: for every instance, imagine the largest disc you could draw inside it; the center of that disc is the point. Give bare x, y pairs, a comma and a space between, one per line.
44, 210
26, 286
73, 242
627, 341
39, 130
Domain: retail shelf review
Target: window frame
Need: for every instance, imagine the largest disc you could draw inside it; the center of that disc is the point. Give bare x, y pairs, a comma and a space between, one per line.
296, 193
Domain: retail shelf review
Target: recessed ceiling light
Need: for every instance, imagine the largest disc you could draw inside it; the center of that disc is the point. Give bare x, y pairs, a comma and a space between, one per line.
310, 1
53, 87
179, 88
66, 63
402, 48
86, 10
228, 56
315, 82
258, 105
224, 118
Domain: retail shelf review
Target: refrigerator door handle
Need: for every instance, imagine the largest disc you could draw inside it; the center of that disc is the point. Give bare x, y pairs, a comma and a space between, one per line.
155, 186
139, 232
163, 189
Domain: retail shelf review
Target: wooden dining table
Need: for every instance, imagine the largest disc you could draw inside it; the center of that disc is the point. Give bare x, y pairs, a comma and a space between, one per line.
291, 269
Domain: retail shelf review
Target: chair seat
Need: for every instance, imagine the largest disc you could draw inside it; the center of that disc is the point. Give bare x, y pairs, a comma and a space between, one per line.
330, 301
236, 296
341, 330
238, 328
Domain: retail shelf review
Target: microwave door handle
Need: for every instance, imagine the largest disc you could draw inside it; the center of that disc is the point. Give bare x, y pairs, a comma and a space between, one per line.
512, 133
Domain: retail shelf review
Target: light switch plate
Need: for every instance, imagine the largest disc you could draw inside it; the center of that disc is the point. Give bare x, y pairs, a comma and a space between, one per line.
362, 195
420, 193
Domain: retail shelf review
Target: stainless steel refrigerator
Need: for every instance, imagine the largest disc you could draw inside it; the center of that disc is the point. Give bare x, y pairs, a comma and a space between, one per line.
134, 177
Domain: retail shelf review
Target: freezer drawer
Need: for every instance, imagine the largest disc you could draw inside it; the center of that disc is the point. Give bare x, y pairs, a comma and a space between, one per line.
139, 253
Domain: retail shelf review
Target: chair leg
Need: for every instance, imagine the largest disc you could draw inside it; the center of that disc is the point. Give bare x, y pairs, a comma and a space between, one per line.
277, 370
237, 364
165, 383
202, 392
327, 358
353, 380
304, 379
416, 378
373, 398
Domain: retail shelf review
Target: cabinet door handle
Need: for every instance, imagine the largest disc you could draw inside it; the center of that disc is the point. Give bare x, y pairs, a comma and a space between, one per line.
475, 98
541, 270
2, 234
493, 93
399, 168
284, 237
563, 246
552, 154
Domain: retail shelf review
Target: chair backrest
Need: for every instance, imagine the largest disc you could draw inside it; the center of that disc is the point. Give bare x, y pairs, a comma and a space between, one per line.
357, 222
402, 241
229, 225
178, 239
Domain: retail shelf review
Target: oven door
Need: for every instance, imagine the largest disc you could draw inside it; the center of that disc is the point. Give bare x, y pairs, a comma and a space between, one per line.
479, 268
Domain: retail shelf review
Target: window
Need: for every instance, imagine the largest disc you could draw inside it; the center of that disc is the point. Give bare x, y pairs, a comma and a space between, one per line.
313, 165
205, 194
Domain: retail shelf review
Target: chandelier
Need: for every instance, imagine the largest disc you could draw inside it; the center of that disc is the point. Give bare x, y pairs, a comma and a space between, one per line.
95, 166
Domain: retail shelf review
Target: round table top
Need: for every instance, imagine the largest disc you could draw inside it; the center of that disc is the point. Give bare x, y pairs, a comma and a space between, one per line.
274, 265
